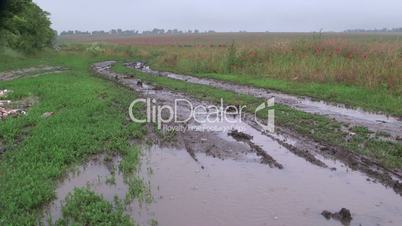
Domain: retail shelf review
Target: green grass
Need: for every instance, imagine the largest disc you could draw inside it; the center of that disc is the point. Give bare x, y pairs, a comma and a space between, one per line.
84, 207
90, 117
378, 100
317, 127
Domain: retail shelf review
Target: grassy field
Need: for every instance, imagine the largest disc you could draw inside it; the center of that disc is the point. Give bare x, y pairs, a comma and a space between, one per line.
360, 70
90, 117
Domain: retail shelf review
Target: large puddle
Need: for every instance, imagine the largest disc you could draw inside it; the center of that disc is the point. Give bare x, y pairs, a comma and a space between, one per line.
244, 193
212, 191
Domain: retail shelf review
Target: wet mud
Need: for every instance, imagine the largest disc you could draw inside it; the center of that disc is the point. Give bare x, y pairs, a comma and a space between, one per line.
318, 154
373, 121
211, 142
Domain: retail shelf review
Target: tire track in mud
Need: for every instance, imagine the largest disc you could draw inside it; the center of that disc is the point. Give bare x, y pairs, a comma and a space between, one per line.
373, 121
32, 72
240, 136
194, 142
303, 147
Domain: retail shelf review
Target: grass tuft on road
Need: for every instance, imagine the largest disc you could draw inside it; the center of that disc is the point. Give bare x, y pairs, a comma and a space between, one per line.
84, 207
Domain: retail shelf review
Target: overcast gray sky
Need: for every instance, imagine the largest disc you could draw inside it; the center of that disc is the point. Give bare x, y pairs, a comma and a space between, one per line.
223, 15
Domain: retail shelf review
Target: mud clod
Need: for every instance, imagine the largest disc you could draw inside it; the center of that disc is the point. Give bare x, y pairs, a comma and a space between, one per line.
326, 214
158, 88
240, 135
344, 216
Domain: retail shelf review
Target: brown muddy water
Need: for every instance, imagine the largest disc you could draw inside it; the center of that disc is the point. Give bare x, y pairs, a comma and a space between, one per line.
212, 191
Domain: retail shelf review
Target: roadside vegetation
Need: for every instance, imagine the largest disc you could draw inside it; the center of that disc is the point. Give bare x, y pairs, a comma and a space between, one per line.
89, 117
367, 75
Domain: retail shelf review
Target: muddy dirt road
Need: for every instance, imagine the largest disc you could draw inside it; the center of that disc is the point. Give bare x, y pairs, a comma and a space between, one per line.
32, 72
374, 122
240, 176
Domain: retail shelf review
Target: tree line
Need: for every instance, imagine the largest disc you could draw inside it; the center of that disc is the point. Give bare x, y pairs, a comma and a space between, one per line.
155, 31
24, 26
398, 29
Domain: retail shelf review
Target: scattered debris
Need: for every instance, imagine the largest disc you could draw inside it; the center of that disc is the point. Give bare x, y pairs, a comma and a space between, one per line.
343, 216
3, 93
14, 108
4, 102
47, 114
139, 65
4, 112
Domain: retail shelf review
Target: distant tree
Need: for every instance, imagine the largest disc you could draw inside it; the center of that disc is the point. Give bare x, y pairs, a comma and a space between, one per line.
24, 26
231, 58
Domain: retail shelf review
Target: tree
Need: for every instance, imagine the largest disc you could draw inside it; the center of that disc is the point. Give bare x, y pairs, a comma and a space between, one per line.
24, 26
